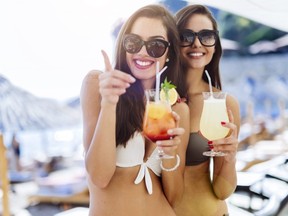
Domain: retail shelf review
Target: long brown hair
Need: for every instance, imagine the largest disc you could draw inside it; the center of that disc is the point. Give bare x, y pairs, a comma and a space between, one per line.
131, 107
182, 17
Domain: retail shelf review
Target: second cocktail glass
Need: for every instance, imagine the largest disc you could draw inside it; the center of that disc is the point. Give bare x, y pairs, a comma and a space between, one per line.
214, 112
158, 119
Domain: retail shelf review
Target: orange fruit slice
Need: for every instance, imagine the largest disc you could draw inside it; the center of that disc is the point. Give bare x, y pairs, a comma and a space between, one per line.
172, 96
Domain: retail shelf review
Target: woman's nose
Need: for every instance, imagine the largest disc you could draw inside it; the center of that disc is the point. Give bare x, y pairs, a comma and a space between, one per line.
196, 42
143, 50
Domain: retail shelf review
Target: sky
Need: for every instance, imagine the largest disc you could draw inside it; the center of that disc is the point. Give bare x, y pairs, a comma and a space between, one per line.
48, 46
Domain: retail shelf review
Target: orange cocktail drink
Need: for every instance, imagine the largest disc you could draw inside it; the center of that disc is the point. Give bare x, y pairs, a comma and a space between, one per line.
157, 120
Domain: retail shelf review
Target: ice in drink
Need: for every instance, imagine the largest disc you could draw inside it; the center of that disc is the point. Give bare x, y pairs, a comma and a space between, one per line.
157, 120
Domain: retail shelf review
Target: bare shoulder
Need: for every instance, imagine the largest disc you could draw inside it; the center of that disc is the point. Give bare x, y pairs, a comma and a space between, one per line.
181, 108
90, 81
233, 105
91, 76
232, 102
90, 88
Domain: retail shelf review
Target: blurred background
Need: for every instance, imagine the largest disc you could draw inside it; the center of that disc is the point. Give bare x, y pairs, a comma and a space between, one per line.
47, 47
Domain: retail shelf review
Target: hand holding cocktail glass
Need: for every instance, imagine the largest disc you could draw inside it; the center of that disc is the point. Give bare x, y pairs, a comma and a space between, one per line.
159, 119
213, 114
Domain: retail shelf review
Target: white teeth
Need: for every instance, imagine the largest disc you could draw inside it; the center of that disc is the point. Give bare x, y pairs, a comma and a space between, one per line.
196, 54
143, 63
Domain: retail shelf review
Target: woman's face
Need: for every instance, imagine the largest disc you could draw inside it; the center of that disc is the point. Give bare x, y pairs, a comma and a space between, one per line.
142, 65
198, 56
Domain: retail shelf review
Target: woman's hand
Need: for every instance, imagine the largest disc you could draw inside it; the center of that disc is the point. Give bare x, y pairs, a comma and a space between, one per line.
113, 83
229, 144
170, 146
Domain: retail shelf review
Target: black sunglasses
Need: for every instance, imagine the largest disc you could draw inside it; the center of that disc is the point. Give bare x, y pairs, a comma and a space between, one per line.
206, 37
155, 48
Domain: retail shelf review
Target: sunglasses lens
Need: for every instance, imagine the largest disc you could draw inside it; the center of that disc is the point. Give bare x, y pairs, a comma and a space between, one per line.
187, 38
156, 48
132, 44
207, 38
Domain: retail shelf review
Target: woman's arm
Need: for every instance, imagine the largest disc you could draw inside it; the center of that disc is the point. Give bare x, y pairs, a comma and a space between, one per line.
99, 97
98, 132
173, 181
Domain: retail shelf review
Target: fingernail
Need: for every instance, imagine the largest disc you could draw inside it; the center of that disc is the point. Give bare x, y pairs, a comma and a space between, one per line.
169, 131
210, 142
223, 123
158, 142
132, 79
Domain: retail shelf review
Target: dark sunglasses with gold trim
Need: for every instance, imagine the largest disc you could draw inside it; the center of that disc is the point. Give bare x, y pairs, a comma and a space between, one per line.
206, 37
155, 47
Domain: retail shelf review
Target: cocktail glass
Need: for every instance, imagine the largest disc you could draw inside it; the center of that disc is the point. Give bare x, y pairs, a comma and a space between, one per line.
157, 120
214, 112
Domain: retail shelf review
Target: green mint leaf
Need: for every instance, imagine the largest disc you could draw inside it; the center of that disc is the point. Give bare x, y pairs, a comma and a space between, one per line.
166, 86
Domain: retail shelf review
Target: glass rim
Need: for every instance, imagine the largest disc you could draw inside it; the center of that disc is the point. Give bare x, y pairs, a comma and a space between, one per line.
216, 95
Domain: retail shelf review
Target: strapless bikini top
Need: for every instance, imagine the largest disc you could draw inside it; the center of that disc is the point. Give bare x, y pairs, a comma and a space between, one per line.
133, 155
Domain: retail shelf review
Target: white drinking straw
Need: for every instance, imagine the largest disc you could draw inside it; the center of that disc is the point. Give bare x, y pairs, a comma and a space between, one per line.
158, 75
210, 84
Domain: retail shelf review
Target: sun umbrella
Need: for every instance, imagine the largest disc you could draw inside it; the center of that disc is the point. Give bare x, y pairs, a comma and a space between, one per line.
21, 110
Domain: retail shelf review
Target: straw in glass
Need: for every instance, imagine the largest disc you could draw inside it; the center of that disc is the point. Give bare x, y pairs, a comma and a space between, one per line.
210, 84
158, 75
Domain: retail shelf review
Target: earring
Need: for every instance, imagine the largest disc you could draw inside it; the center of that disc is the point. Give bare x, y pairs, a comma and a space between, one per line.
167, 60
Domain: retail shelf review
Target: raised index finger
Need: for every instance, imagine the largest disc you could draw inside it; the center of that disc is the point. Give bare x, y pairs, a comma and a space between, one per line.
108, 66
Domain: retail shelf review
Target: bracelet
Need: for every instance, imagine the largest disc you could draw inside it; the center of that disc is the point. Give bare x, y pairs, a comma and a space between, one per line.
173, 168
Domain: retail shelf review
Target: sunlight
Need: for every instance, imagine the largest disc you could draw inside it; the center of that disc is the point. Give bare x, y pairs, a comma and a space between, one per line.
47, 47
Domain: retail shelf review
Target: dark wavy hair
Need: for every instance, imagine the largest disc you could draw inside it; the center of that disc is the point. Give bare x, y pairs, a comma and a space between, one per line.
182, 17
131, 107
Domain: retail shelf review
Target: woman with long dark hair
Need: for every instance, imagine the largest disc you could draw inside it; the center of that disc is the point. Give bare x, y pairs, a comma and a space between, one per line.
201, 50
124, 178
